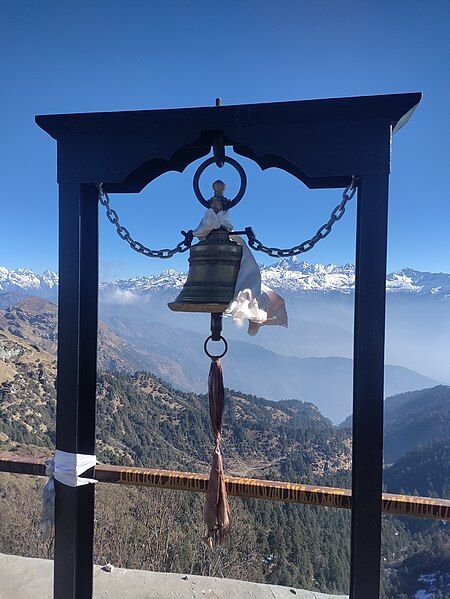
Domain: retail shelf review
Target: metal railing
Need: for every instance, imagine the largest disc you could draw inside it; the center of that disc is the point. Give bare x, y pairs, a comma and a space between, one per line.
392, 504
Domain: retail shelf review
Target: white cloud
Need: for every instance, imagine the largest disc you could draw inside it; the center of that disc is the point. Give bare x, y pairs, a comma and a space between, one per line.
120, 296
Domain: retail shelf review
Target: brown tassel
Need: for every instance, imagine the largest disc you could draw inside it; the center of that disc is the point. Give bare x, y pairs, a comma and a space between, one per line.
217, 511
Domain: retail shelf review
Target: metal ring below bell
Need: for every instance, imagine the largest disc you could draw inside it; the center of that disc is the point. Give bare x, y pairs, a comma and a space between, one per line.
240, 194
205, 347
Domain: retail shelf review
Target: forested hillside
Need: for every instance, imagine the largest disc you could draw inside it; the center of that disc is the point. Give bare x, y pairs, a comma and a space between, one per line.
414, 418
35, 321
424, 470
142, 420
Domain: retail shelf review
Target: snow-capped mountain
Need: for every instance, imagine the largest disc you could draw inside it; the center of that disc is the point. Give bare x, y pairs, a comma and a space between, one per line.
27, 281
299, 276
288, 275
167, 280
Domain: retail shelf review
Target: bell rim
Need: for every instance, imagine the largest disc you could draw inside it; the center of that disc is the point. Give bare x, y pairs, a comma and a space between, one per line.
200, 307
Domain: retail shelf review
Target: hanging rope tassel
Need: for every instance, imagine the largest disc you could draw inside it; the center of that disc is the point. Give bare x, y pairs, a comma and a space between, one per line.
216, 513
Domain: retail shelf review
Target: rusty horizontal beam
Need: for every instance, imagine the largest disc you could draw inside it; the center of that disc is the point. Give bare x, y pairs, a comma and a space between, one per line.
394, 505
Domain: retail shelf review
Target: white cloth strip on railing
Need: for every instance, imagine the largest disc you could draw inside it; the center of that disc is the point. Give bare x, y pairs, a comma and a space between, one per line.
66, 468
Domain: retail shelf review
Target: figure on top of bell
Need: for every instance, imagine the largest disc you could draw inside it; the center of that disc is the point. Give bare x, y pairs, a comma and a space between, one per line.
218, 202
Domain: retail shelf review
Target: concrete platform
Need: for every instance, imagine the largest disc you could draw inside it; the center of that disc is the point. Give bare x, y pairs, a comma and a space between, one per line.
30, 578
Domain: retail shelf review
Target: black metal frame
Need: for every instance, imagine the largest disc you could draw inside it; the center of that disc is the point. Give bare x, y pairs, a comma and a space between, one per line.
322, 143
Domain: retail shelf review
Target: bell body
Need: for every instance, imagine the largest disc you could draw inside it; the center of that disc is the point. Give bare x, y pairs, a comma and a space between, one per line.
213, 270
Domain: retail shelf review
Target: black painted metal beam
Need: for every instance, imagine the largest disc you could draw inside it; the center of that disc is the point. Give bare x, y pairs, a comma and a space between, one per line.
321, 142
368, 386
76, 384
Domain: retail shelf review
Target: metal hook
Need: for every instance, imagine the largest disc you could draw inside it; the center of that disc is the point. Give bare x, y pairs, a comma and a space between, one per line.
218, 148
216, 326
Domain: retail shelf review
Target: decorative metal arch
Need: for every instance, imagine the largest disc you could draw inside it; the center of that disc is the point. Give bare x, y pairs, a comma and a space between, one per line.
322, 143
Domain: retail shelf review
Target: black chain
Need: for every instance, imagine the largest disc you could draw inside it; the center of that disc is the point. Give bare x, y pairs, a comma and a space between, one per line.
307, 245
253, 242
137, 246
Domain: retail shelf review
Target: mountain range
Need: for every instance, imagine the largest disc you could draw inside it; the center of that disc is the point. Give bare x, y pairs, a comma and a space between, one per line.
288, 275
278, 362
128, 344
142, 420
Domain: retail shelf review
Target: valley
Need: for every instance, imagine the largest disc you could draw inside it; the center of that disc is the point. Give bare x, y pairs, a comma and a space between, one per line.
127, 344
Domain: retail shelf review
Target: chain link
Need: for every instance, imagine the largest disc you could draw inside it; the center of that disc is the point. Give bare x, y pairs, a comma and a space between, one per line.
137, 246
307, 245
253, 242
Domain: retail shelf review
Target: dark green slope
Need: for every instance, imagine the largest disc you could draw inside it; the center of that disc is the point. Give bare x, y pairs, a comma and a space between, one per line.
142, 420
413, 419
424, 470
416, 418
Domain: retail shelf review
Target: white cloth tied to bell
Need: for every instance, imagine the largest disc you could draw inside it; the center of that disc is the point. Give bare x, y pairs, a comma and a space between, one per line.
66, 468
253, 301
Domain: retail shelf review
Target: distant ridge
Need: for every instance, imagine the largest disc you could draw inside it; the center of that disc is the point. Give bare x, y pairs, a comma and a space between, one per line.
128, 344
414, 418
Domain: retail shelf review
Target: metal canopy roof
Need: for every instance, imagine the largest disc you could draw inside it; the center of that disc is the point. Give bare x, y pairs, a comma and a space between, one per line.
321, 142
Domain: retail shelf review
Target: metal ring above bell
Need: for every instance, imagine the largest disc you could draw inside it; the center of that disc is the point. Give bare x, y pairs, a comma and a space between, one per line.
204, 165
205, 347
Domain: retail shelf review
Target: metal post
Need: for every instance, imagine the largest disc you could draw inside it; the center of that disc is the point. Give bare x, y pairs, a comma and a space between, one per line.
370, 299
76, 384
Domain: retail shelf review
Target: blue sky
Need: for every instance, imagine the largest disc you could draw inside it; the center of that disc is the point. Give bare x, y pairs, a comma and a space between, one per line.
60, 56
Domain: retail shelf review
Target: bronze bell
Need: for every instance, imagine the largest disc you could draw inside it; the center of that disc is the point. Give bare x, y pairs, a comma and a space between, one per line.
213, 267
213, 270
